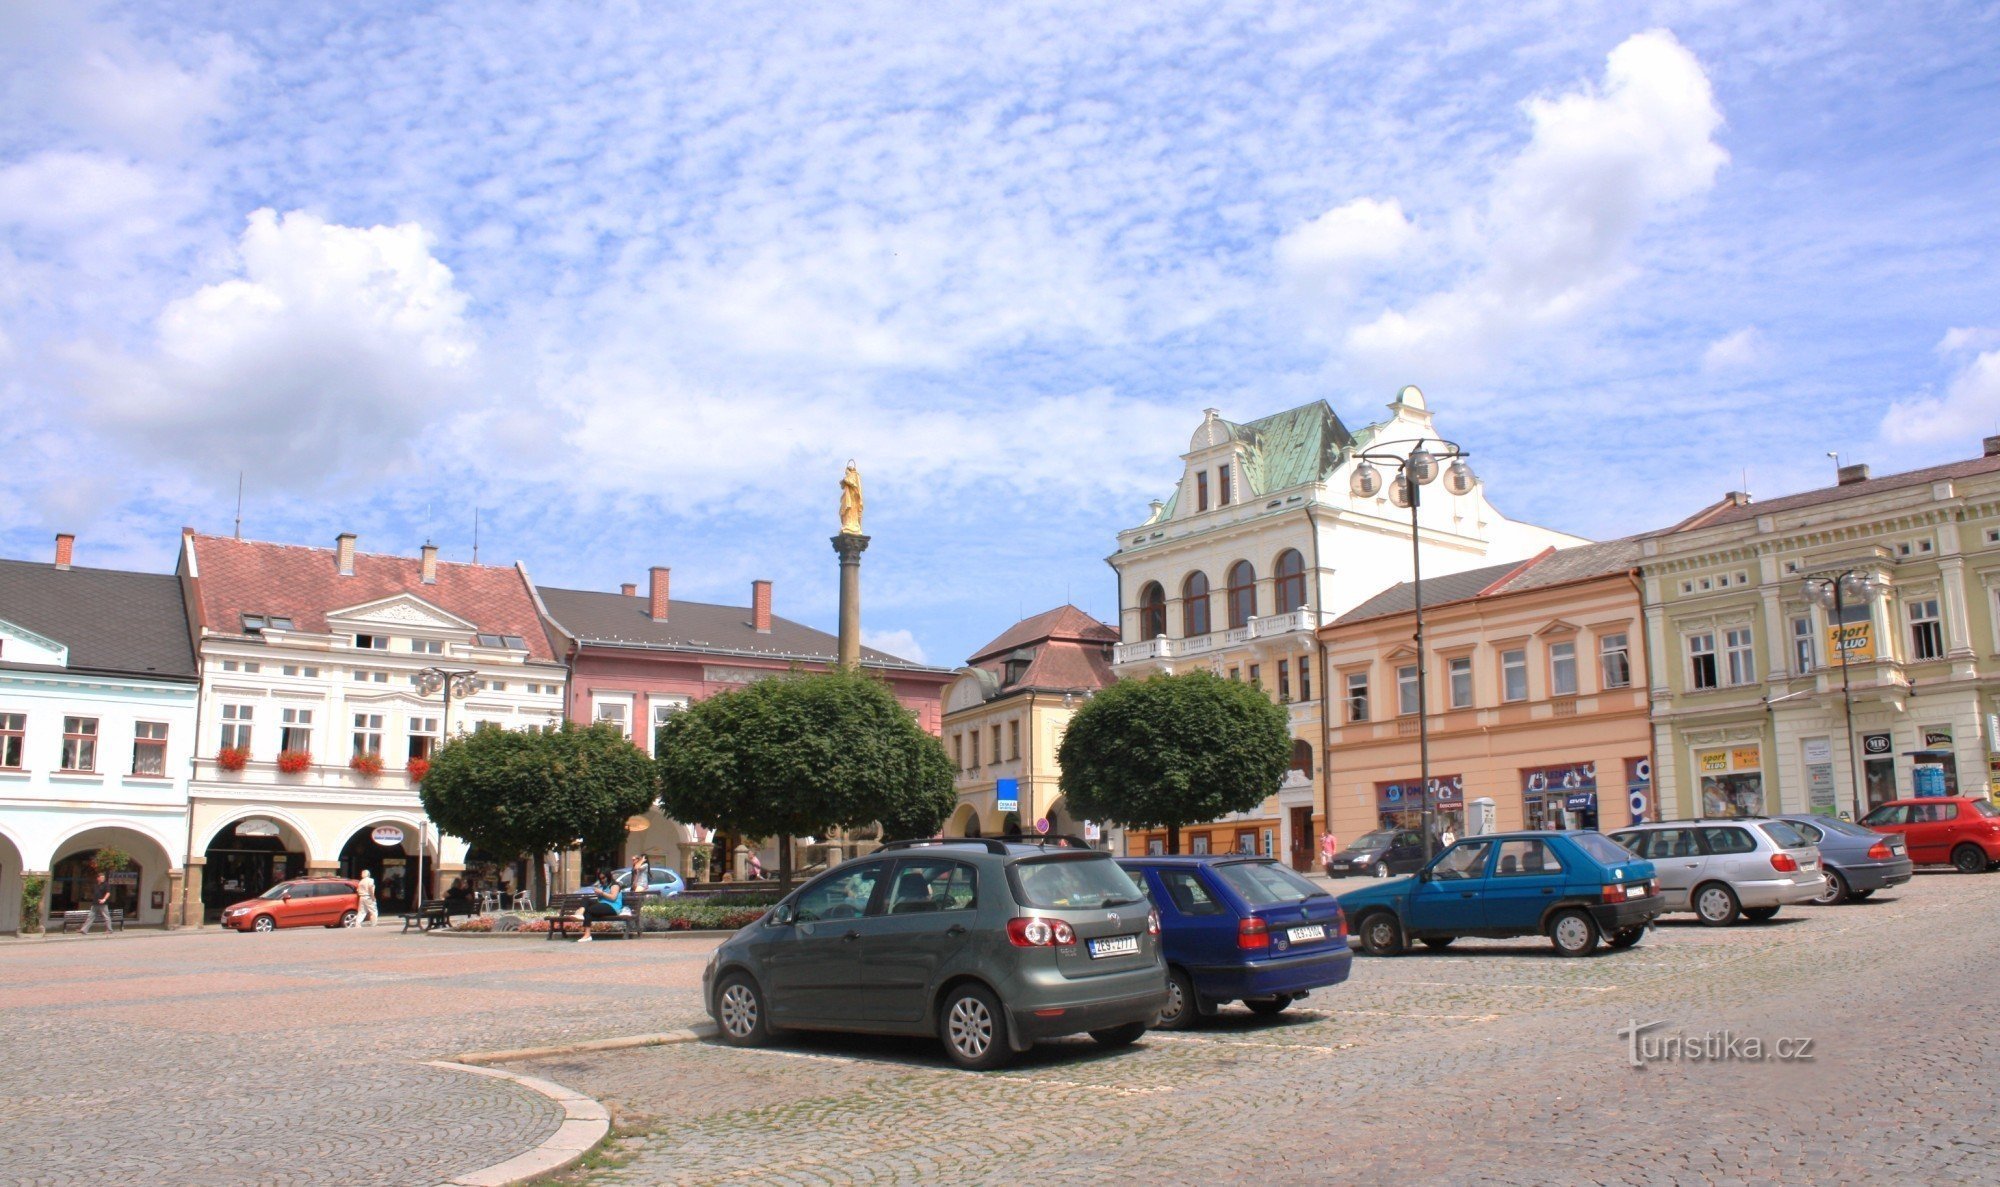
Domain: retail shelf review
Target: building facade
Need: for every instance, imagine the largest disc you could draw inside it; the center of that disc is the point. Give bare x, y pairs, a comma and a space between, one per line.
1535, 694
1747, 697
1004, 716
635, 660
313, 729
97, 720
1260, 545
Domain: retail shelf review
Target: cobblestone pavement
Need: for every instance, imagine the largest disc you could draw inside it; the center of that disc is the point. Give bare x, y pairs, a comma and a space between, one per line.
296, 1057
1492, 1062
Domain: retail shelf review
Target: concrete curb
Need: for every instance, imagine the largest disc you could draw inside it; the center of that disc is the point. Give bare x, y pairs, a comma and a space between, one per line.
585, 1124
708, 933
479, 1059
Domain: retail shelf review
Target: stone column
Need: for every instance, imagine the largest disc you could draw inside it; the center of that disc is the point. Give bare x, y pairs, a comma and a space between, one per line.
850, 546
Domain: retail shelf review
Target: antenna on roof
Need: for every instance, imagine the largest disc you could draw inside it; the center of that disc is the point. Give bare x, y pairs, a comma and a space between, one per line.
475, 535
1835, 455
239, 504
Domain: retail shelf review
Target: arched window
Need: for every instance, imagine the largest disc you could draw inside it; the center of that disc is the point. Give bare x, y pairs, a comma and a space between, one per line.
1152, 611
1194, 605
1291, 575
1242, 594
1302, 757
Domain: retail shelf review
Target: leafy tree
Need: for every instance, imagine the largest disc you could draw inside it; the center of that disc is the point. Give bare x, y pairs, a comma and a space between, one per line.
801, 754
510, 791
1170, 751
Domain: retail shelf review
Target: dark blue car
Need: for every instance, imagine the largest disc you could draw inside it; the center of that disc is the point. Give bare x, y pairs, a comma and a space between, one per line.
1577, 888
1234, 927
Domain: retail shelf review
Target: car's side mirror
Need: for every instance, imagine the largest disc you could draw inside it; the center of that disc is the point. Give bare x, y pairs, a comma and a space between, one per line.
781, 914
286, 897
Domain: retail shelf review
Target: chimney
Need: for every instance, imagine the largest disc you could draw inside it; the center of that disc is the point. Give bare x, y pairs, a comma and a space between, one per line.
65, 545
1992, 445
343, 556
430, 553
760, 606
1849, 475
657, 595
629, 590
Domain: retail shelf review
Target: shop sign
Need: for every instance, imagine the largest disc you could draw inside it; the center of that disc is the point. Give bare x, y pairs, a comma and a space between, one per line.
1093, 831
1581, 776
1875, 743
1819, 788
1746, 758
1007, 793
1582, 801
1447, 791
256, 826
1937, 738
386, 834
1852, 642
1713, 761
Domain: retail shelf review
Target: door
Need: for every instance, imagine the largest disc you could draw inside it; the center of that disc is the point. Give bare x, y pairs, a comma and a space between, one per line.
1677, 860
1731, 855
814, 970
297, 907
1199, 928
1527, 877
924, 927
1450, 899
1893, 819
1304, 843
1931, 830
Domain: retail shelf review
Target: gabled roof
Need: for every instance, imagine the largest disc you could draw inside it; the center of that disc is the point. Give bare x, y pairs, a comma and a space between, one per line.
1554, 566
1066, 623
616, 620
237, 577
1066, 651
1749, 509
112, 621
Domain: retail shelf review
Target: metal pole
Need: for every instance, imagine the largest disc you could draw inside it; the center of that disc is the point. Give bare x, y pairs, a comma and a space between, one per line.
1847, 696
1411, 487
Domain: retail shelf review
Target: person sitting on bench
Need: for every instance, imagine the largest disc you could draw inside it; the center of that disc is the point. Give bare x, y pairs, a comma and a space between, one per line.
608, 903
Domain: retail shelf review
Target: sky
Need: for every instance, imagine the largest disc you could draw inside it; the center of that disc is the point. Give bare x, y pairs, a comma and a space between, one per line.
631, 282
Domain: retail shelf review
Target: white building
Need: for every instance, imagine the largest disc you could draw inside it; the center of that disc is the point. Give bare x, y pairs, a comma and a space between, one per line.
97, 712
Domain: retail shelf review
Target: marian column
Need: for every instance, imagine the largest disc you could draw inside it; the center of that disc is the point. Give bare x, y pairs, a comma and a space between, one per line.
849, 545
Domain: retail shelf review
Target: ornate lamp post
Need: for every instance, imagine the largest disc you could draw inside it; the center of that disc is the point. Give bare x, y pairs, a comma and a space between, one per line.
1834, 592
458, 682
1413, 471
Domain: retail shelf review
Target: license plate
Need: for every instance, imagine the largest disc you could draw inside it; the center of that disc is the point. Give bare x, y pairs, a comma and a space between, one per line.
1808, 866
1114, 946
1305, 935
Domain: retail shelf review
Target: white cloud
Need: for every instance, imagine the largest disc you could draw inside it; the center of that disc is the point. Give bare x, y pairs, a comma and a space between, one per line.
1735, 352
1959, 339
899, 643
1968, 409
1361, 232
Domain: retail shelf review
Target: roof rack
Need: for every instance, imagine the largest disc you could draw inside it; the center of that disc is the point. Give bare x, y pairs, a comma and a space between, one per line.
992, 844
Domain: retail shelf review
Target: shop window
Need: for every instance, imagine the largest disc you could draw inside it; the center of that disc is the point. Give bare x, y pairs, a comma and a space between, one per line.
1926, 630
1460, 673
1739, 794
1741, 657
1305, 678
1803, 653
1701, 662
368, 734
1194, 605
1614, 661
1152, 611
1291, 581
1562, 669
295, 731
79, 749
1406, 690
1514, 675
149, 748
13, 739
1357, 696
1242, 594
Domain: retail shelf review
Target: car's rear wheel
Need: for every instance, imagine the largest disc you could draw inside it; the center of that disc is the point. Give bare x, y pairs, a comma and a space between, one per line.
974, 1030
1835, 892
348, 918
740, 1015
1267, 1006
1574, 933
1625, 937
263, 923
1715, 904
1439, 942
1183, 1008
1760, 914
1119, 1036
1969, 859
1381, 935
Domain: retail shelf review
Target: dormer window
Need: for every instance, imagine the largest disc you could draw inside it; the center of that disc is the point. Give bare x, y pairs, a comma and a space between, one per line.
515, 642
257, 624
1017, 668
1222, 495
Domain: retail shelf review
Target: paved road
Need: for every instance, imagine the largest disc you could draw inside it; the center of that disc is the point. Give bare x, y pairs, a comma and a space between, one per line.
1494, 1062
296, 1057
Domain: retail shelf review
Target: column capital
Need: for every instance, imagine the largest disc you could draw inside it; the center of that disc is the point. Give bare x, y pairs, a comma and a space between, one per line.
850, 546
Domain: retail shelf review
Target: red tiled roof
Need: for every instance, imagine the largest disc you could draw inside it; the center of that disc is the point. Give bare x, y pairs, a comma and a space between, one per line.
1064, 623
1062, 665
238, 577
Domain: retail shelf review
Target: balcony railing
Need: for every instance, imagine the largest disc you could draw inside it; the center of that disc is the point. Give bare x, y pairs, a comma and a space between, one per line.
1282, 624
1301, 621
1132, 653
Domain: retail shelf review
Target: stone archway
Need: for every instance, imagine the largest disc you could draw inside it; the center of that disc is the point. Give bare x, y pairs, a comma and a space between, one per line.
247, 855
135, 890
964, 822
12, 867
388, 848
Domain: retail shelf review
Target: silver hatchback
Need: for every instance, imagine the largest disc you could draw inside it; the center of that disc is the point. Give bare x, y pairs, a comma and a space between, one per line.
1725, 868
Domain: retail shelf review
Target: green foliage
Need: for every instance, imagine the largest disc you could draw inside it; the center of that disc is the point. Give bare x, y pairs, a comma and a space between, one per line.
32, 886
677, 914
801, 754
517, 792
1170, 751
109, 861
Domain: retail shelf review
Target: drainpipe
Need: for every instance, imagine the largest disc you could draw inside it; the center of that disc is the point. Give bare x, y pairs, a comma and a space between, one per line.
1325, 689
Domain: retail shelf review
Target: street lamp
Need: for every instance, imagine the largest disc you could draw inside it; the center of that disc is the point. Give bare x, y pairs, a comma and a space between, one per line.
1833, 592
454, 682
1413, 471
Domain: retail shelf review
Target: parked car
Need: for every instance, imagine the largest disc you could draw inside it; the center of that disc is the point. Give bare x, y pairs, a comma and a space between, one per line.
1240, 928
987, 944
660, 880
1576, 888
1730, 867
1857, 861
1379, 854
301, 902
1959, 829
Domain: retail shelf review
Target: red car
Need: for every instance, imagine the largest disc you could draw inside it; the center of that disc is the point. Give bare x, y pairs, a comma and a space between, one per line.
301, 902
1958, 829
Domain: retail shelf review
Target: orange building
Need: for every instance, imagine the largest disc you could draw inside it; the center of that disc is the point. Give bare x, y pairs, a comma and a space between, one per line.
1536, 684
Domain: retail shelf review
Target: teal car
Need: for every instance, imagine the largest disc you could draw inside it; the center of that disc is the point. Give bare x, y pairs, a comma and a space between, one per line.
1577, 888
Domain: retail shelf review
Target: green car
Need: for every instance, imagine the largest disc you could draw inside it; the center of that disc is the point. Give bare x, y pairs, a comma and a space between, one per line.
988, 944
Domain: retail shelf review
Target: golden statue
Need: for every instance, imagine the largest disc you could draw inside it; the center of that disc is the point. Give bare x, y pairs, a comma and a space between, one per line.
850, 501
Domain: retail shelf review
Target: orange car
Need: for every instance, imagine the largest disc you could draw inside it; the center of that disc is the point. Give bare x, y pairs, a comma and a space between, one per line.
301, 902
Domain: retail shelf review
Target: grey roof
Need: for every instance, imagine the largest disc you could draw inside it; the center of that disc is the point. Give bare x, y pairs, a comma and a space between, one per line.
111, 621
611, 619
1751, 509
1452, 587
1553, 567
1579, 563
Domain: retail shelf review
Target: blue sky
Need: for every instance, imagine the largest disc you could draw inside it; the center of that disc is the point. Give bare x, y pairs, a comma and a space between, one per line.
636, 280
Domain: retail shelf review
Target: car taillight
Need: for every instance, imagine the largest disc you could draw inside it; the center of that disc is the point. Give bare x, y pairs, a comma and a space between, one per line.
1252, 935
1340, 924
1783, 863
1152, 923
1880, 851
1064, 935
1030, 932
1614, 893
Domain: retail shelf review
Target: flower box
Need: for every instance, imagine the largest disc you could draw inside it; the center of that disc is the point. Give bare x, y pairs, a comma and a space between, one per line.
369, 765
293, 762
232, 758
417, 769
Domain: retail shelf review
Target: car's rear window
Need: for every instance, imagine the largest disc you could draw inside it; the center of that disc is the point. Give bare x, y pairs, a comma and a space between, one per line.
1784, 834
1982, 808
1069, 882
1603, 848
1262, 883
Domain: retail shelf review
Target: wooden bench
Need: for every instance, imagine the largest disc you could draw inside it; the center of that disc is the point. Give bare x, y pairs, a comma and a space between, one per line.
431, 913
74, 920
565, 905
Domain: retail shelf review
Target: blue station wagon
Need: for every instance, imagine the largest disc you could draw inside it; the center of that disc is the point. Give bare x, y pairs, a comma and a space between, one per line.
1234, 927
1577, 888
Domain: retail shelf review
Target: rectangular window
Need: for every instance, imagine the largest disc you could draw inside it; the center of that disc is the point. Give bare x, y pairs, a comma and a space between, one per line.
1460, 671
1257, 675
149, 748
1222, 486
958, 751
1926, 630
663, 708
306, 670
427, 646
1406, 690
1201, 491
1014, 739
1701, 662
296, 731
79, 752
1285, 680
423, 736
13, 739
1802, 645
617, 713
1357, 696
1614, 659
1741, 657
1236, 673
230, 665
372, 642
1305, 678
975, 749
996, 742
236, 726
1562, 669
368, 734
1514, 675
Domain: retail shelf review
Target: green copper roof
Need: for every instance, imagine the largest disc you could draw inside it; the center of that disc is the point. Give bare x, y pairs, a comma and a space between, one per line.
1291, 448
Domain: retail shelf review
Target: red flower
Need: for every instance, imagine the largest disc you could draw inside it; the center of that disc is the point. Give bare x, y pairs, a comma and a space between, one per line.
417, 769
292, 762
367, 764
232, 758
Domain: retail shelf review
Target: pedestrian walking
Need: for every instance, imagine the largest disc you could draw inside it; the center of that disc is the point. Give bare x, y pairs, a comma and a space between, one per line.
366, 888
1329, 845
100, 904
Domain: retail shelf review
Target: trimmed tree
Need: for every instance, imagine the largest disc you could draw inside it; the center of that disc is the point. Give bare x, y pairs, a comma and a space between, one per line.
518, 792
798, 755
1170, 751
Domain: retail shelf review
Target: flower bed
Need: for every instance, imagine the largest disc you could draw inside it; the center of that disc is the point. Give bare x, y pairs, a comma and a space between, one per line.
671, 915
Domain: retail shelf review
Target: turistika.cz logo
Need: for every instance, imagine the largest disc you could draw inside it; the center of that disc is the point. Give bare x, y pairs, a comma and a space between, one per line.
1716, 1046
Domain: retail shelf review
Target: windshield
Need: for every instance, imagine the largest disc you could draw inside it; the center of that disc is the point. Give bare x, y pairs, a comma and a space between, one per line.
280, 890
1784, 834
1262, 883
1603, 848
1379, 839
1070, 882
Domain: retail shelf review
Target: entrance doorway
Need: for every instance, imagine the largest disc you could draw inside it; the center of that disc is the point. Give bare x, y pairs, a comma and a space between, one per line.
245, 859
388, 851
1303, 841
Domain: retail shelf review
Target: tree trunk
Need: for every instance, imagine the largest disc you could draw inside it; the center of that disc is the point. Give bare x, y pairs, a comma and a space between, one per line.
784, 865
1174, 840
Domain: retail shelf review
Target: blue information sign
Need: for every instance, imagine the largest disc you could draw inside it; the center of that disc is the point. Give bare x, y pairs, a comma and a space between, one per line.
1929, 779
1008, 794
